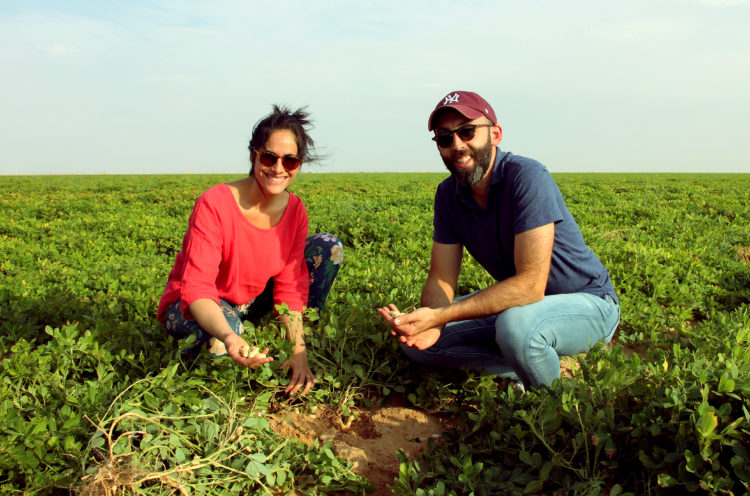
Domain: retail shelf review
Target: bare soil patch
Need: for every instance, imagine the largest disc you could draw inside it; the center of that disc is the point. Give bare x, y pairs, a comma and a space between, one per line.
631, 349
569, 364
371, 440
743, 253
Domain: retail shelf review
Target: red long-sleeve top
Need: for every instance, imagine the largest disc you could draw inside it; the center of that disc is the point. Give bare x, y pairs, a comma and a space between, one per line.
224, 256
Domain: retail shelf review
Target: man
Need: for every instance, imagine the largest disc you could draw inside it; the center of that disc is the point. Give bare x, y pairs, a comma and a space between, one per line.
552, 298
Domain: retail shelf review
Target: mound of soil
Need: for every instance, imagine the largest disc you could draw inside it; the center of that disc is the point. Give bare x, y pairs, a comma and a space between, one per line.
371, 440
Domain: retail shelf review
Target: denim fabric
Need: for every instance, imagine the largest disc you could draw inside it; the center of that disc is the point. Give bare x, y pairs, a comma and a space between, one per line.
323, 255
525, 342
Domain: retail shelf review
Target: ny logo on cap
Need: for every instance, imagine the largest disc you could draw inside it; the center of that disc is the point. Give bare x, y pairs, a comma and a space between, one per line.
451, 99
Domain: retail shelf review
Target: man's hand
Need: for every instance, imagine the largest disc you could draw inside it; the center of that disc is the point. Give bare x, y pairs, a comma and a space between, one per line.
419, 329
235, 344
423, 340
301, 373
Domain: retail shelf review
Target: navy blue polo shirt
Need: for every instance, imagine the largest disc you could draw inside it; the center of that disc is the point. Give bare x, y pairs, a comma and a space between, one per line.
522, 195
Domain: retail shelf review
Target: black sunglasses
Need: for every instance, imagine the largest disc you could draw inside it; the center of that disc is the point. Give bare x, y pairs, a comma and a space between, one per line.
465, 133
269, 159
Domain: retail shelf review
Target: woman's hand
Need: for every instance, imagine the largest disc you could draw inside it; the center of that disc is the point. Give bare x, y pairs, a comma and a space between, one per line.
235, 344
301, 373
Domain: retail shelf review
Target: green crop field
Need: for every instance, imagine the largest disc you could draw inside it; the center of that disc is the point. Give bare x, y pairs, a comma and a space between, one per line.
96, 399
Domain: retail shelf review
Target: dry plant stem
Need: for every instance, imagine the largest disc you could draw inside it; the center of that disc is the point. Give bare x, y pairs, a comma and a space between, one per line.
396, 313
215, 460
109, 478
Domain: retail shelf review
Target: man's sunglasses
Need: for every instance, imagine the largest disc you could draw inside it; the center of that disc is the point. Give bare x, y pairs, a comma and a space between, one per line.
269, 159
465, 133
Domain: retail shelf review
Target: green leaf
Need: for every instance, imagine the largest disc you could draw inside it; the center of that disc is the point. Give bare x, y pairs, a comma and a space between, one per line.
256, 423
210, 430
174, 440
71, 445
179, 455
359, 371
534, 486
281, 477
708, 423
726, 384
252, 469
72, 422
38, 427
97, 442
666, 480
693, 463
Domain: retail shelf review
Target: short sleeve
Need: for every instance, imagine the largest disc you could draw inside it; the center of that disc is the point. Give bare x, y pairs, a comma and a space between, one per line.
536, 199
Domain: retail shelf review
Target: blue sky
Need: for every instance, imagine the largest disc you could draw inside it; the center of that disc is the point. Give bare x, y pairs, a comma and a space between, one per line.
176, 86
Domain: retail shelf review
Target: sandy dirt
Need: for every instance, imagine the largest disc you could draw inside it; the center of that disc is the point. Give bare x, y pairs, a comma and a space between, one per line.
371, 440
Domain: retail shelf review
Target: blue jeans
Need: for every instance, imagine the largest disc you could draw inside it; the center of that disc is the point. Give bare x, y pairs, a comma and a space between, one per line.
323, 255
525, 342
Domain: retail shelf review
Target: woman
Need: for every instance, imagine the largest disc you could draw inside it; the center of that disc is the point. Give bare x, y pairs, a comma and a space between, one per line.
246, 249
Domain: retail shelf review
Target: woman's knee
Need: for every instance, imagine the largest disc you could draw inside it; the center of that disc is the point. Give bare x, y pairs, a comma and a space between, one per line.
323, 247
322, 239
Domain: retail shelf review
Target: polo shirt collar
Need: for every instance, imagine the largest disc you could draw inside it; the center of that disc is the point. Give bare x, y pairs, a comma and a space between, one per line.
498, 169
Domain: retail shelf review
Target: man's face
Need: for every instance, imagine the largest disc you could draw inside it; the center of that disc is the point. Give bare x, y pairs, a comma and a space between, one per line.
468, 160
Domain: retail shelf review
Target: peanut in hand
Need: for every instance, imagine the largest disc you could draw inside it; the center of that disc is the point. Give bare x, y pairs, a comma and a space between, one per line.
248, 351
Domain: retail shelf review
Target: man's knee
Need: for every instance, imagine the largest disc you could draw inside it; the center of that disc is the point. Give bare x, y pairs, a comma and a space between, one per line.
513, 326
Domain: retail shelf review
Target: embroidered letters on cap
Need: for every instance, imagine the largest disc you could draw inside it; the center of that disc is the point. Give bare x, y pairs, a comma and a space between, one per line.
451, 99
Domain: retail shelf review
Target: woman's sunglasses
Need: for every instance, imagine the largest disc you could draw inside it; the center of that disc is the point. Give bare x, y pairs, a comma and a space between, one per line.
465, 133
269, 159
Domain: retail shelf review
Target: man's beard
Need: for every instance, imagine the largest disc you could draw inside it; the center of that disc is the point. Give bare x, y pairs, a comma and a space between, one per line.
481, 158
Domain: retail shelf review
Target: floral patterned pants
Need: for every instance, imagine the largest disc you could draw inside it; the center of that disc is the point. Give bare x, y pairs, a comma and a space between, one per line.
323, 254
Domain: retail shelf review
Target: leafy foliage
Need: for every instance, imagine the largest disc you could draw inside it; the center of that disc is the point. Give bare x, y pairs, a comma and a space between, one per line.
93, 394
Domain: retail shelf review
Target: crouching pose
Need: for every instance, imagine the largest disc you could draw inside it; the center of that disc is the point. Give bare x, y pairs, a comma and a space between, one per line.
247, 248
552, 295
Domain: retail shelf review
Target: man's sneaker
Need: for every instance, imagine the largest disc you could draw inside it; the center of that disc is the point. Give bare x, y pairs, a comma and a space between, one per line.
518, 387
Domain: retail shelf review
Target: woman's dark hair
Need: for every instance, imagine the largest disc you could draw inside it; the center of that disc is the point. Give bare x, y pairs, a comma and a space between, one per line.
284, 118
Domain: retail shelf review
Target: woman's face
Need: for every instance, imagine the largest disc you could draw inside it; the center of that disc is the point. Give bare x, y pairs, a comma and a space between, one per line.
275, 178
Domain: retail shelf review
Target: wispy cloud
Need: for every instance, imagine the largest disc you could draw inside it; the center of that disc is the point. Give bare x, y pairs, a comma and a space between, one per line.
59, 50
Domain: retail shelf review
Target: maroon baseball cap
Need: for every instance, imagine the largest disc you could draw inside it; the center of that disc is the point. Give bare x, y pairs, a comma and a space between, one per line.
468, 104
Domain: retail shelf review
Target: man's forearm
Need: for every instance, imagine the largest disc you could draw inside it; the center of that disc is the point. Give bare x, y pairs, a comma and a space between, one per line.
436, 294
512, 292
